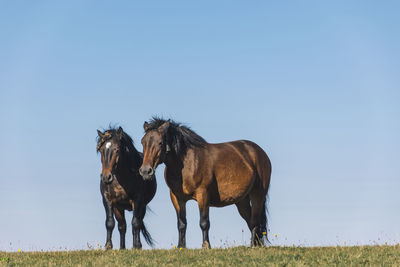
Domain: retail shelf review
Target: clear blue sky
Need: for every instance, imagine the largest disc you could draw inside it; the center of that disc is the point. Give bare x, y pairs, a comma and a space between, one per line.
314, 83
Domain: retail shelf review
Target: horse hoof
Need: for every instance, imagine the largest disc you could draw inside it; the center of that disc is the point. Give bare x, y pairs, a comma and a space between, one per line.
206, 245
108, 246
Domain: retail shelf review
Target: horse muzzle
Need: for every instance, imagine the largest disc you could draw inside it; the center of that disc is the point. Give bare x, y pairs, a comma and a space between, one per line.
147, 172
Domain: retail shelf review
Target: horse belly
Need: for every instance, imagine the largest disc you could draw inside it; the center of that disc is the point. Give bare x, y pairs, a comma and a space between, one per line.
124, 205
231, 186
118, 196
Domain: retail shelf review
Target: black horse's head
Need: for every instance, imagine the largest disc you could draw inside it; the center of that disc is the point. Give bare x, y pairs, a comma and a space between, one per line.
109, 146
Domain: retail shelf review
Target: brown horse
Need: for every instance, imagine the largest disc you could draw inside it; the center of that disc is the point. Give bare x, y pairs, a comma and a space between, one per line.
122, 187
215, 175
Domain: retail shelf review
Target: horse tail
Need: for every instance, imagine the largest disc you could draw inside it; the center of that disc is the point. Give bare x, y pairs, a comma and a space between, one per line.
146, 235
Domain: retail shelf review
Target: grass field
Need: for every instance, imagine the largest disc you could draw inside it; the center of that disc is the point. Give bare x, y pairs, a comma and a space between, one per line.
238, 256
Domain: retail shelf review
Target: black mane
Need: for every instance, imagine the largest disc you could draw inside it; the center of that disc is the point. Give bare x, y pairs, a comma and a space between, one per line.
179, 137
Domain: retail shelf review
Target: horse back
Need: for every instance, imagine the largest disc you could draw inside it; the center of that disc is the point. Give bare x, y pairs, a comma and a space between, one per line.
249, 157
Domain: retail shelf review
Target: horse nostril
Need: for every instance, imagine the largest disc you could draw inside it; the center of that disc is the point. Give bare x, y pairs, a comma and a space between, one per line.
150, 171
107, 178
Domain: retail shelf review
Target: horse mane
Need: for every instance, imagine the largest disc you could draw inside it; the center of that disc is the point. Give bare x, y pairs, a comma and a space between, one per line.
126, 146
180, 137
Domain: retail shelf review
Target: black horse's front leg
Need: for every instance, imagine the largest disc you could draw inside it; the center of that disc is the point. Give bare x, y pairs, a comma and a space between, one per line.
110, 223
137, 223
120, 216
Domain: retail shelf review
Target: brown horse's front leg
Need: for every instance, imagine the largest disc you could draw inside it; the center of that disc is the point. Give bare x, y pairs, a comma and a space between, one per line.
202, 200
180, 208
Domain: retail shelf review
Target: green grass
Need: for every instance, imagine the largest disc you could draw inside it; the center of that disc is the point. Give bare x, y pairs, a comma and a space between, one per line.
238, 256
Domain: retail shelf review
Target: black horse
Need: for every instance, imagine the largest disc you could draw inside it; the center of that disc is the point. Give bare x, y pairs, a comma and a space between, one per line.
122, 187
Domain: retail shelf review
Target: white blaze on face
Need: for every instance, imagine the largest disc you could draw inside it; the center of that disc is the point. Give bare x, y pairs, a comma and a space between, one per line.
108, 145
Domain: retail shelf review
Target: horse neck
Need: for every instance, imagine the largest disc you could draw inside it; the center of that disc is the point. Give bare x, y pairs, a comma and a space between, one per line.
173, 162
129, 163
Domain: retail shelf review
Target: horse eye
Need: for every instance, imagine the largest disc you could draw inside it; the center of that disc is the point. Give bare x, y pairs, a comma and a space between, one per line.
160, 144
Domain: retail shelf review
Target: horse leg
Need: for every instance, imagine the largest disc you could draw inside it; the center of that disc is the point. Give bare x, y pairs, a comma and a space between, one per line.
137, 223
202, 201
120, 216
257, 204
244, 209
263, 222
110, 223
180, 208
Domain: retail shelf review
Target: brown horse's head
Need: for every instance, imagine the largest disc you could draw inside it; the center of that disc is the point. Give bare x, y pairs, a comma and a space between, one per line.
154, 148
109, 147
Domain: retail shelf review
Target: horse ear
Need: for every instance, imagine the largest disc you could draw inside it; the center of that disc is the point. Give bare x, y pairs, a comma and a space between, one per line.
100, 133
120, 132
145, 126
164, 127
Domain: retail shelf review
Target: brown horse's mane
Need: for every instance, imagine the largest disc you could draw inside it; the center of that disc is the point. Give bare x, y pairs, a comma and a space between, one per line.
179, 137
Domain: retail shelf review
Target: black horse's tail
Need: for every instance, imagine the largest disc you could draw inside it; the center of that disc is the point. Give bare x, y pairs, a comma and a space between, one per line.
146, 235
